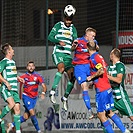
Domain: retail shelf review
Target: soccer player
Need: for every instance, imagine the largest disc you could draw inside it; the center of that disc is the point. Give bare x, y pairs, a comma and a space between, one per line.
62, 35
30, 95
9, 91
116, 75
104, 98
81, 64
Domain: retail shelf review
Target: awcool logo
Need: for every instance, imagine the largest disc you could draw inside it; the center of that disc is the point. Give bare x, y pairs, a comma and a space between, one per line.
73, 115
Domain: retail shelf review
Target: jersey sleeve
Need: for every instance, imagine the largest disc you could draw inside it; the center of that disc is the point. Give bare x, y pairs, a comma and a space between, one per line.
53, 32
41, 79
100, 62
120, 68
75, 33
21, 76
2, 65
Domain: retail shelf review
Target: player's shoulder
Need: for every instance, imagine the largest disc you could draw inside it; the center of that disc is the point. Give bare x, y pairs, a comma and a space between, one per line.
99, 56
59, 23
80, 38
23, 75
37, 74
4, 61
73, 27
120, 64
96, 55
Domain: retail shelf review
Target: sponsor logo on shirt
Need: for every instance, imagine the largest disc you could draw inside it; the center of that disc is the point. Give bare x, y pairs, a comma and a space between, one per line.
67, 34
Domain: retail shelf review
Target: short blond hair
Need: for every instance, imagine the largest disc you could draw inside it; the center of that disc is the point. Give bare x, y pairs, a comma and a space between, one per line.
90, 29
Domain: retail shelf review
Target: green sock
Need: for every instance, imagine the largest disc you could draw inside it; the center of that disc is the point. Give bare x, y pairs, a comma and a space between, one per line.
5, 111
56, 80
68, 89
104, 130
17, 121
2, 124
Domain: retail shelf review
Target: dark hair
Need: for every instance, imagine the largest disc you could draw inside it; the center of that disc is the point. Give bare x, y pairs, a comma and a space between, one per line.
30, 62
5, 47
70, 18
92, 45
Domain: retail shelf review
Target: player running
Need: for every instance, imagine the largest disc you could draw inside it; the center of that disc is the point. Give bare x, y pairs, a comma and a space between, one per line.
30, 95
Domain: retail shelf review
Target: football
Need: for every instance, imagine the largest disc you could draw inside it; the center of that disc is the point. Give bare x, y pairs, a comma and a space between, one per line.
69, 10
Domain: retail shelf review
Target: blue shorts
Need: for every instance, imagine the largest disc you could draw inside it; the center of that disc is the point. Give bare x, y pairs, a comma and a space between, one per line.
29, 103
104, 101
81, 72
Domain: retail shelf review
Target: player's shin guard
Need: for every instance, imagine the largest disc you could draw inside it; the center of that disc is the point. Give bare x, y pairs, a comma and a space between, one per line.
56, 80
107, 125
35, 122
118, 122
86, 99
17, 122
5, 111
68, 89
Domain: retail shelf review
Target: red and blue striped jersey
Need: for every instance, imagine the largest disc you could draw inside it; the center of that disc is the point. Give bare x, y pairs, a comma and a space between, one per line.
81, 55
32, 81
96, 62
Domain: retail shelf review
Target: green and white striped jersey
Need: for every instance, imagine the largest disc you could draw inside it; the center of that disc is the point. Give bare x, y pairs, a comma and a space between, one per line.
118, 89
9, 72
65, 34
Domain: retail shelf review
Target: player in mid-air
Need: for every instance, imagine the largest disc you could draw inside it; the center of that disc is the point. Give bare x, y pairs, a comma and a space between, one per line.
62, 35
81, 64
104, 98
30, 95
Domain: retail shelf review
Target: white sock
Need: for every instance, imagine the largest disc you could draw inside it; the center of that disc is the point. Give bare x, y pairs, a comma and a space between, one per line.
18, 131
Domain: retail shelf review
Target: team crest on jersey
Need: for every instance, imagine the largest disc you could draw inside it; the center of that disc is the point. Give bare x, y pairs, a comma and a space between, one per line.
67, 34
121, 69
35, 78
